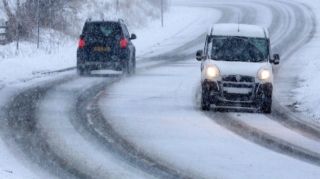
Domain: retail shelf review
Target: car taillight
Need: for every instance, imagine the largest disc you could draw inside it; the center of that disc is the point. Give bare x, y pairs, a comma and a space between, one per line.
81, 43
123, 43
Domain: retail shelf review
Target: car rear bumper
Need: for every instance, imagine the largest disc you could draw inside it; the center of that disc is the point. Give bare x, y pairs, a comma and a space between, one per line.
84, 54
113, 65
99, 61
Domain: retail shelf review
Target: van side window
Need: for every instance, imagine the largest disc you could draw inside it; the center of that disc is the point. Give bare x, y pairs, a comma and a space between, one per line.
209, 46
205, 50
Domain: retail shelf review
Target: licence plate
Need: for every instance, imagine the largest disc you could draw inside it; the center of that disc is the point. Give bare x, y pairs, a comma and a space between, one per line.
238, 90
101, 49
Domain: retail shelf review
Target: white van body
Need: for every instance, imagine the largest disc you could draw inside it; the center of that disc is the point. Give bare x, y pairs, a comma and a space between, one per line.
236, 68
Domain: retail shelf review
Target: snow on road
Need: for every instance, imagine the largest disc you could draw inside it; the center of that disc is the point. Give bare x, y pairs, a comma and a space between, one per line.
27, 67
160, 116
163, 103
306, 93
275, 129
69, 143
13, 163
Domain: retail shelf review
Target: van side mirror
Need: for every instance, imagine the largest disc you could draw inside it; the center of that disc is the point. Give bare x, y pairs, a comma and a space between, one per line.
133, 36
276, 59
199, 55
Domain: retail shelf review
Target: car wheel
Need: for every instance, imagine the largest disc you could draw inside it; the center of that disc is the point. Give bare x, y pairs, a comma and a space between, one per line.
266, 105
205, 100
134, 65
126, 68
80, 71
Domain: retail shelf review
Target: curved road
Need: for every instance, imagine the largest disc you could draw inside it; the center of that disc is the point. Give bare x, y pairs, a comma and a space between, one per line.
83, 127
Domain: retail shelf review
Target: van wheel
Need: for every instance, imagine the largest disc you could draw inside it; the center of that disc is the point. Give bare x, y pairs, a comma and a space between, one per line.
266, 105
205, 101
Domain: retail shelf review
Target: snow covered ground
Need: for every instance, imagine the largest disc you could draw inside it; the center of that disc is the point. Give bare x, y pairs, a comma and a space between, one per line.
173, 130
307, 93
59, 54
161, 118
29, 64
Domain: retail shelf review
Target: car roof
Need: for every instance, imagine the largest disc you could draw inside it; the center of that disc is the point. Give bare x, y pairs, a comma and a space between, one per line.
240, 30
101, 21
104, 20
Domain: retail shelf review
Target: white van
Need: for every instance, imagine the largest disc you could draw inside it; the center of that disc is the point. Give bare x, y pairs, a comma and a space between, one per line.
236, 68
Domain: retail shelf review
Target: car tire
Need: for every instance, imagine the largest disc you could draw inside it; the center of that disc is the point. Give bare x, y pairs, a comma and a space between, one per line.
266, 105
133, 65
126, 69
80, 71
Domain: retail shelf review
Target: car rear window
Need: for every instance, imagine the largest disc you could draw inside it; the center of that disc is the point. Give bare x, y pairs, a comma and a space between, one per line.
105, 29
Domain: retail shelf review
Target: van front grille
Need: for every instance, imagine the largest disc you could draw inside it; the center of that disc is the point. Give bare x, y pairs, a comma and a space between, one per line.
238, 88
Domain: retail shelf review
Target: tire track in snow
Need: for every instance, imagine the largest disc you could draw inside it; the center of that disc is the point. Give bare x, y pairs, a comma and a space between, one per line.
78, 174
33, 142
298, 36
105, 133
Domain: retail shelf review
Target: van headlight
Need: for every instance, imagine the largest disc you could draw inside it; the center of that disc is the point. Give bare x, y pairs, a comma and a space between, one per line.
264, 74
212, 72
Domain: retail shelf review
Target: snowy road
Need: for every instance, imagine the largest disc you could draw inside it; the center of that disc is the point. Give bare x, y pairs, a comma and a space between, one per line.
176, 131
150, 125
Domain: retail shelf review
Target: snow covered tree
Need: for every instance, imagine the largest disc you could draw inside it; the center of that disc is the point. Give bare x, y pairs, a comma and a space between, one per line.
51, 15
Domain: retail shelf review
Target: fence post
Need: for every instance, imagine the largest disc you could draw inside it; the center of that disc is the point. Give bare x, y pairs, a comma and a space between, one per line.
18, 23
6, 23
117, 7
161, 13
38, 23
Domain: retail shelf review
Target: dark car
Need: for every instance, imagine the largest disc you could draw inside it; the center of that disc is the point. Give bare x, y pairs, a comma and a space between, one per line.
106, 45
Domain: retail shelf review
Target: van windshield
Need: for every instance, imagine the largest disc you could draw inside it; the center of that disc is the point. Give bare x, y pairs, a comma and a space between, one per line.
238, 49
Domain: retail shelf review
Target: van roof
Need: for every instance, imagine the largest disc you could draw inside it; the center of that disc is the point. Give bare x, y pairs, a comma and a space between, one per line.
242, 30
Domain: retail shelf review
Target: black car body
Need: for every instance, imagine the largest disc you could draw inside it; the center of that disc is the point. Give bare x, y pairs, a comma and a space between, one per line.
106, 45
